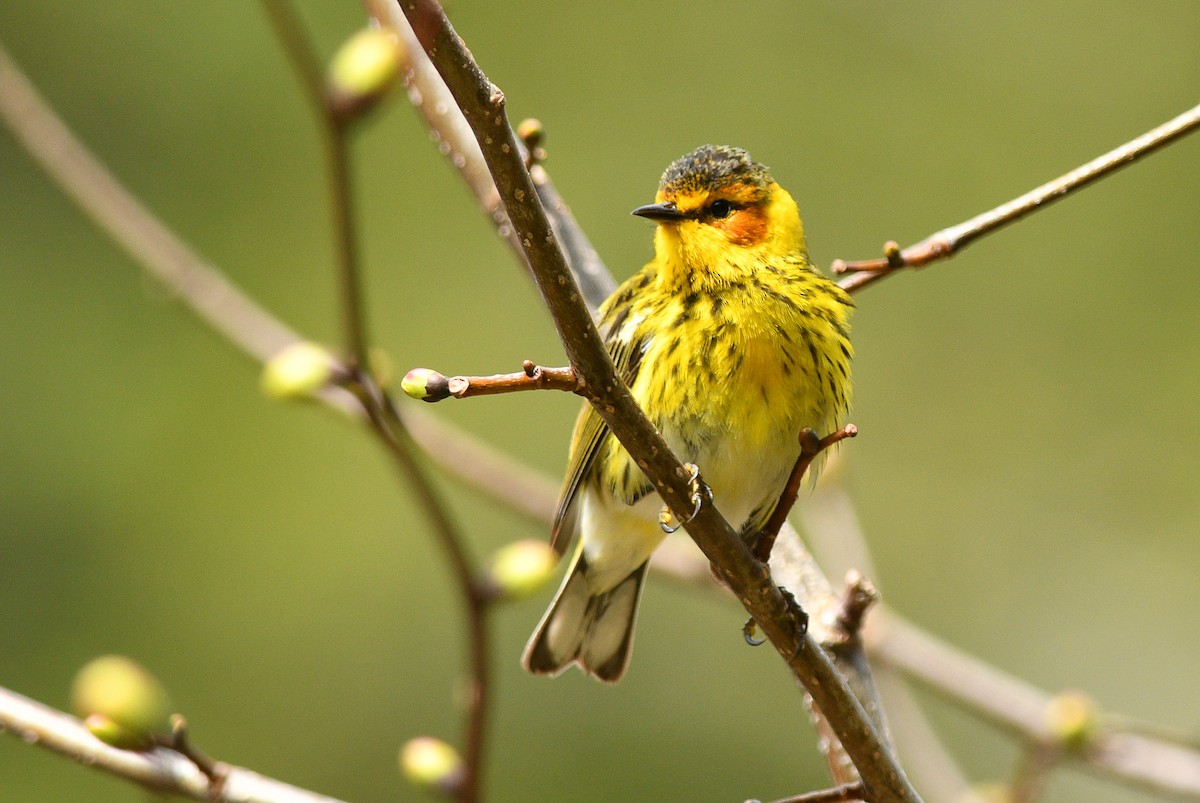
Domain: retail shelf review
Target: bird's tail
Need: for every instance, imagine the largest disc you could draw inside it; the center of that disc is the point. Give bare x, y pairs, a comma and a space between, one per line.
592, 630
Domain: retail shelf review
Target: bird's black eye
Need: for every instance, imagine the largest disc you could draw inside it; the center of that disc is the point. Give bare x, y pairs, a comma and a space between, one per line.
720, 208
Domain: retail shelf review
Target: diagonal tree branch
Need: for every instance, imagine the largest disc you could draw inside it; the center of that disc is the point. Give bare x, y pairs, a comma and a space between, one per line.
483, 106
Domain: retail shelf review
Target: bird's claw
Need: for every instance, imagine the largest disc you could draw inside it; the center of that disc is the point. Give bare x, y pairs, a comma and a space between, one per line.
701, 493
798, 615
748, 634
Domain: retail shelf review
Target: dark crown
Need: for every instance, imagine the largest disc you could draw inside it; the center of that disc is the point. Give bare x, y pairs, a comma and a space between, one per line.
712, 166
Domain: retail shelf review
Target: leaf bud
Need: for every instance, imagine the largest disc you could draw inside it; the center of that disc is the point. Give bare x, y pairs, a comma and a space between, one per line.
1072, 718
433, 764
122, 703
298, 371
425, 384
363, 70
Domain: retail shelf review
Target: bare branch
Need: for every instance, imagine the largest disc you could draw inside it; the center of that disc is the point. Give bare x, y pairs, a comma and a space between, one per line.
160, 770
811, 445
482, 104
947, 242
430, 386
333, 125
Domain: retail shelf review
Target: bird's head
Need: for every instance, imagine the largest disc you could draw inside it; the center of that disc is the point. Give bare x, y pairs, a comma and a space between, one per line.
719, 211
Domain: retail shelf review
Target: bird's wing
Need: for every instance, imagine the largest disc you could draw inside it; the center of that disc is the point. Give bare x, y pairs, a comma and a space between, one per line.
590, 435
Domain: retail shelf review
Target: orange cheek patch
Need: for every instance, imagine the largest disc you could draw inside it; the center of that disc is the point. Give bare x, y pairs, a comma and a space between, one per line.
745, 226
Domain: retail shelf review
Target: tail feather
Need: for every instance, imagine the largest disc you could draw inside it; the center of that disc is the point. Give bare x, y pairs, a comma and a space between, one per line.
593, 631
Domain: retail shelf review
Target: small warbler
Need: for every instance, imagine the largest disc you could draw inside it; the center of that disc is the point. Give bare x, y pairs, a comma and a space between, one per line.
732, 342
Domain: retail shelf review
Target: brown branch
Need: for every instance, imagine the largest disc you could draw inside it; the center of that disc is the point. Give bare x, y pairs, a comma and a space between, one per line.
161, 770
947, 242
333, 125
1124, 751
335, 120
833, 532
859, 597
482, 104
811, 445
430, 386
387, 424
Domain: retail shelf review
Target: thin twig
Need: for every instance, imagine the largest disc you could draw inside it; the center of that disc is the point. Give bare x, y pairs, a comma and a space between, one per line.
833, 531
388, 426
1125, 753
482, 104
860, 595
811, 445
161, 770
180, 741
431, 386
298, 46
947, 242
376, 403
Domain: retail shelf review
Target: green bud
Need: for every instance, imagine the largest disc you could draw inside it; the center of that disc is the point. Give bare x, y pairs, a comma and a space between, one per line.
425, 384
298, 371
522, 568
363, 69
1072, 718
123, 704
432, 763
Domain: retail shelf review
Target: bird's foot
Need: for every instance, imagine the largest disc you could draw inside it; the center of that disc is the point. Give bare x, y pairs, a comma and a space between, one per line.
700, 494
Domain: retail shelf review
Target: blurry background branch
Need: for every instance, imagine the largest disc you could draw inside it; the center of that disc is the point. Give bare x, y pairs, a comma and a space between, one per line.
160, 771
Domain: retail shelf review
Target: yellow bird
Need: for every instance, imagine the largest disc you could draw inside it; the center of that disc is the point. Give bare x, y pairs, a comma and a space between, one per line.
732, 342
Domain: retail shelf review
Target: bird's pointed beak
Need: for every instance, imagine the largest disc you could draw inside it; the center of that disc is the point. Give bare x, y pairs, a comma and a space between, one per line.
664, 212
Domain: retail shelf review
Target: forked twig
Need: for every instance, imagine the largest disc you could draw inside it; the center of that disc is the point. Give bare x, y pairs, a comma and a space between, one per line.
949, 241
811, 445
430, 386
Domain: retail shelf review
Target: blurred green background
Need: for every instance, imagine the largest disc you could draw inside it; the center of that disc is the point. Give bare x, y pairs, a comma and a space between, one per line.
1027, 472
